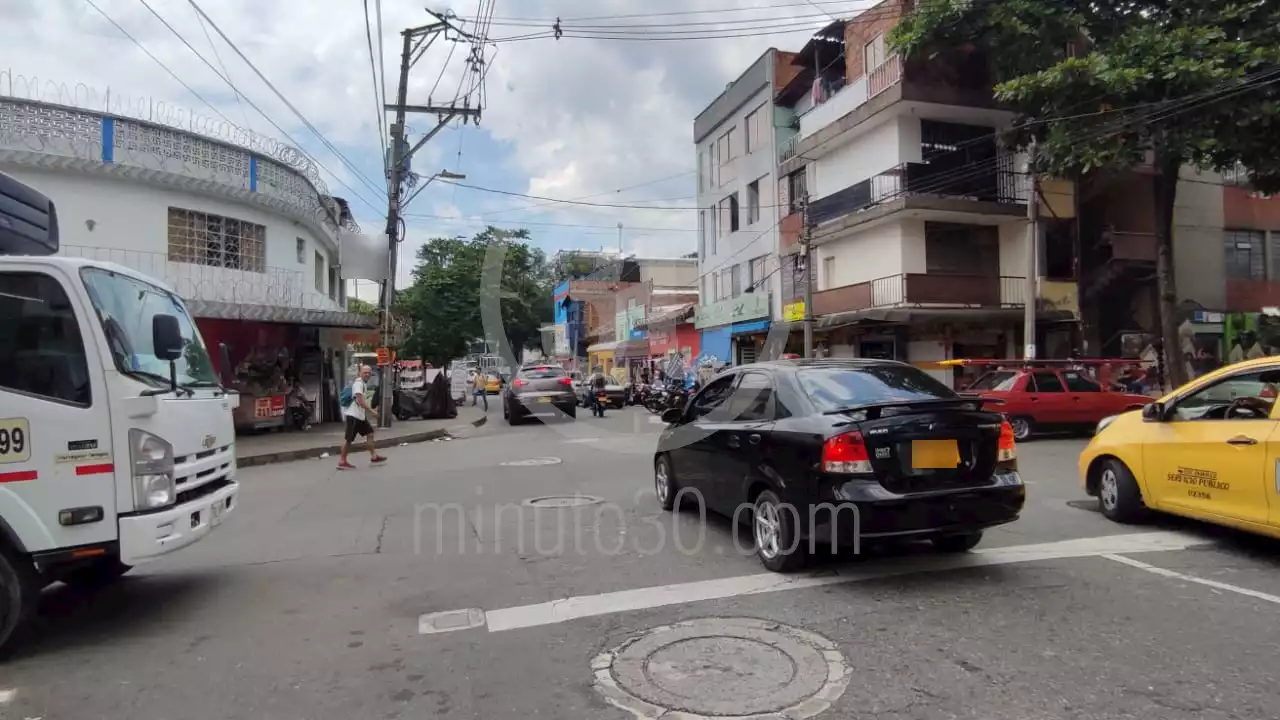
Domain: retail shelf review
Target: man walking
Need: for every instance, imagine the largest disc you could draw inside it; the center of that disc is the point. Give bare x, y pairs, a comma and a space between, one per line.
480, 390
356, 415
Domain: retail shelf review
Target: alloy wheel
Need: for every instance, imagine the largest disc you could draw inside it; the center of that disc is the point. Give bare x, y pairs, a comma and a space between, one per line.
1109, 489
768, 529
662, 481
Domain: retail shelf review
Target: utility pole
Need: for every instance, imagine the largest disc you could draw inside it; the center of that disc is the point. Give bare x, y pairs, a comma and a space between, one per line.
807, 255
1029, 295
416, 42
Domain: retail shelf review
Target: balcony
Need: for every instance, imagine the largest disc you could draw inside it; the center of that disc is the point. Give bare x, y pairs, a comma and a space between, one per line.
919, 289
991, 181
275, 295
841, 103
1245, 295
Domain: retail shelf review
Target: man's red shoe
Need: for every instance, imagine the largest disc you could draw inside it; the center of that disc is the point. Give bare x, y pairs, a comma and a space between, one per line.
344, 465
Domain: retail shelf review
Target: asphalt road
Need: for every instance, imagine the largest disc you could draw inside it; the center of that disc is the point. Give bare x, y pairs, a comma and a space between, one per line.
353, 595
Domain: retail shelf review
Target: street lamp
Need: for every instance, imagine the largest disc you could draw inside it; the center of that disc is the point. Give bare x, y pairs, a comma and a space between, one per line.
443, 174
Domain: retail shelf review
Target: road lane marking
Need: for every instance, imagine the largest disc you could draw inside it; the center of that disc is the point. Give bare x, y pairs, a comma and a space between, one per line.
1193, 579
572, 608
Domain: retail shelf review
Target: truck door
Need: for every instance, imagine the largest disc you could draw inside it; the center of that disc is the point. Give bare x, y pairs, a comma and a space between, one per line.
55, 423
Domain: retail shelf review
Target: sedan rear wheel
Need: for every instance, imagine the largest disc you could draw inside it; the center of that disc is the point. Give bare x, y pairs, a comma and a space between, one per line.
664, 483
1021, 428
776, 536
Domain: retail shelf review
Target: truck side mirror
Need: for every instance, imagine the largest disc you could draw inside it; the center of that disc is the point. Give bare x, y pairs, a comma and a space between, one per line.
166, 337
224, 361
1153, 412
28, 220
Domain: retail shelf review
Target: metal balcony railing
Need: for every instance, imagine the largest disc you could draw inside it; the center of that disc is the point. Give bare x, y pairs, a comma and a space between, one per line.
922, 289
276, 287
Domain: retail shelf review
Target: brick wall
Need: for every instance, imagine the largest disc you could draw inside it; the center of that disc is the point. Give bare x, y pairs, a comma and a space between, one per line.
861, 29
1246, 210
783, 71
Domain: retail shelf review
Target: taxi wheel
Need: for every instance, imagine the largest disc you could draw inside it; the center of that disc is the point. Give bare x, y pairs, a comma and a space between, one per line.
1118, 493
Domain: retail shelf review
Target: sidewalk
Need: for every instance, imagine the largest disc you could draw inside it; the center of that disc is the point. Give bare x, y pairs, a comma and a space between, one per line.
327, 438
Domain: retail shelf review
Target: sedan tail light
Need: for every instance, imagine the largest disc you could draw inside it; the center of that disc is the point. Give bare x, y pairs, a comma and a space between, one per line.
566, 381
519, 383
1008, 447
846, 453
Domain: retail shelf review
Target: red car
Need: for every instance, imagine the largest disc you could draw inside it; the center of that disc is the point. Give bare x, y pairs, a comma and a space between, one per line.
1038, 397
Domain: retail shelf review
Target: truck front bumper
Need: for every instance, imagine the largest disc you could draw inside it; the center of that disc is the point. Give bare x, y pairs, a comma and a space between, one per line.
148, 536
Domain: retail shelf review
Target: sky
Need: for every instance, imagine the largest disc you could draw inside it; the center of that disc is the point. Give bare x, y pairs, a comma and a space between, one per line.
606, 118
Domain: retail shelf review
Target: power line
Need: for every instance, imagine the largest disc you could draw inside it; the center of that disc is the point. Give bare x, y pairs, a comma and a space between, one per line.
593, 195
478, 221
714, 11
325, 141
380, 120
225, 79
218, 56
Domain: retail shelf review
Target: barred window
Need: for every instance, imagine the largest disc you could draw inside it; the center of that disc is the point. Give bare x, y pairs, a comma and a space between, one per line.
206, 239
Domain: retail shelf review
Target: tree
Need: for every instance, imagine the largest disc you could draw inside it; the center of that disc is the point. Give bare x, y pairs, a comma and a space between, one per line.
451, 284
361, 307
1182, 81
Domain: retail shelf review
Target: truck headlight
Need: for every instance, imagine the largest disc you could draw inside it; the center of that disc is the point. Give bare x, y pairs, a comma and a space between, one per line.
1104, 422
151, 459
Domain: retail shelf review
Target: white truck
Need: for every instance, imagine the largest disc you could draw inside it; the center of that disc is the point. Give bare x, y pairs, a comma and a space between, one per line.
116, 437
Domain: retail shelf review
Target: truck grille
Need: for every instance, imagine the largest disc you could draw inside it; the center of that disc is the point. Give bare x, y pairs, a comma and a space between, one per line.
193, 472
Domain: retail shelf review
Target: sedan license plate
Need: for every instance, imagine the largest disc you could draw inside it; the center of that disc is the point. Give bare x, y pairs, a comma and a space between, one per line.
544, 399
934, 454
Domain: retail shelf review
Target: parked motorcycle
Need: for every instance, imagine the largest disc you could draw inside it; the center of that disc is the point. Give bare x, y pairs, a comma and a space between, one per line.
301, 411
656, 401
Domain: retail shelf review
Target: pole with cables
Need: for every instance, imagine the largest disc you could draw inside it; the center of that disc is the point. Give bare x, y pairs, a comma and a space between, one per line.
807, 258
1033, 266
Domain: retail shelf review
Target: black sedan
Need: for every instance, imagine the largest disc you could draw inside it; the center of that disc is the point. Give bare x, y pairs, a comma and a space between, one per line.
840, 452
538, 390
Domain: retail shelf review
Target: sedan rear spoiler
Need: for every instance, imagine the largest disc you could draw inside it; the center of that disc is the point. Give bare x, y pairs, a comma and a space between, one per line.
978, 396
876, 410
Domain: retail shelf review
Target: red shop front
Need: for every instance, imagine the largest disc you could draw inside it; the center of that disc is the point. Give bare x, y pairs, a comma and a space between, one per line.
266, 361
683, 338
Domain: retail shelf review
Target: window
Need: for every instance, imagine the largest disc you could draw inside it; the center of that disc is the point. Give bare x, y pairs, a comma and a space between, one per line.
1079, 383
1244, 257
711, 397
702, 170
956, 249
1248, 396
757, 121
873, 54
752, 399
319, 268
735, 281
1045, 382
41, 352
333, 283
713, 230
702, 234
302, 250
828, 272
728, 220
797, 187
726, 147
204, 239
836, 388
724, 281
713, 166
753, 203
1001, 380
757, 273
733, 212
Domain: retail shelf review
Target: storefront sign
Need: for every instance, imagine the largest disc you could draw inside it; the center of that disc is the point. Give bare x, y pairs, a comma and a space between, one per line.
561, 341
793, 312
745, 307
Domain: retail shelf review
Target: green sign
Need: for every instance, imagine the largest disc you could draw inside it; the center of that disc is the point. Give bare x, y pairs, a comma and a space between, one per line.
750, 306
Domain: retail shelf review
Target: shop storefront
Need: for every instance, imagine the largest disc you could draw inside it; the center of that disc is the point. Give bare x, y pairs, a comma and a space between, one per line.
601, 355
733, 330
632, 356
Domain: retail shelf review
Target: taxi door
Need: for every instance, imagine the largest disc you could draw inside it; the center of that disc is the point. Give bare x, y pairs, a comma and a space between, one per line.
1210, 452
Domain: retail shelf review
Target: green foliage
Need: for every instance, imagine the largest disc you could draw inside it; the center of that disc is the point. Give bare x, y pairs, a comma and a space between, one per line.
361, 307
454, 279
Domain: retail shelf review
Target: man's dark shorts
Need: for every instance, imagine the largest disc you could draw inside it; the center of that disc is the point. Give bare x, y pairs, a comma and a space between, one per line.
357, 427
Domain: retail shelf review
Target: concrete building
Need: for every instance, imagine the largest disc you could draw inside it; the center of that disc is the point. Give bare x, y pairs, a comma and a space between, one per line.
243, 231
736, 141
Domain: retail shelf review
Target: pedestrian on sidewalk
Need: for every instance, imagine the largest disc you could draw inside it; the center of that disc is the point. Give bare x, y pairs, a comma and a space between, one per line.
481, 390
357, 417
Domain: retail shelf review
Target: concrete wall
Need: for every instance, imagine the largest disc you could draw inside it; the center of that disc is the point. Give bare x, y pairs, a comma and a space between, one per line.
130, 224
669, 272
1013, 249
863, 256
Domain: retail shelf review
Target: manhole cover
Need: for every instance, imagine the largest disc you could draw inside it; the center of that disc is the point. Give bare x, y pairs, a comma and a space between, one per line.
717, 667
563, 501
531, 462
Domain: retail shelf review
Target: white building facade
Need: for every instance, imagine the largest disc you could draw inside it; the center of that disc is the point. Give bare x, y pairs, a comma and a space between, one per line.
245, 233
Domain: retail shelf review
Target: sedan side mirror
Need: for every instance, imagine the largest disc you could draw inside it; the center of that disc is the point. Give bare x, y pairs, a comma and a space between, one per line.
672, 416
1153, 412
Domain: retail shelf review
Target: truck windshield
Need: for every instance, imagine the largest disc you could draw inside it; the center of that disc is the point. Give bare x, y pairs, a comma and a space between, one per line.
125, 306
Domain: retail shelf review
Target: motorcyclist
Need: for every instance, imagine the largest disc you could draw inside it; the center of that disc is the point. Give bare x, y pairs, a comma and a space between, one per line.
597, 383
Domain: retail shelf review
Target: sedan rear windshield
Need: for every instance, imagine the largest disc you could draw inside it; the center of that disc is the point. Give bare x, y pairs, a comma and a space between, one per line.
835, 388
999, 380
541, 372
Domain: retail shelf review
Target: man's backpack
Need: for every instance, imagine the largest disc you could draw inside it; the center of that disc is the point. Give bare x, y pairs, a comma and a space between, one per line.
345, 398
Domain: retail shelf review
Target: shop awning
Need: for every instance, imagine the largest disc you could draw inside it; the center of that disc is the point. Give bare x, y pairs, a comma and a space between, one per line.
603, 347
633, 348
901, 316
680, 315
275, 314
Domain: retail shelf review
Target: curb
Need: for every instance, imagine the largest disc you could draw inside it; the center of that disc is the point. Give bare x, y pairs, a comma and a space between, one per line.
311, 452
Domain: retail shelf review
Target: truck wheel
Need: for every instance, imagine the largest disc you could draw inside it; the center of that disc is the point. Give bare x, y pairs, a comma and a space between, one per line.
19, 593
99, 574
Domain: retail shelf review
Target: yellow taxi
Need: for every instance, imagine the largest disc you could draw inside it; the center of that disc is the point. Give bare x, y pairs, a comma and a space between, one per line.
1209, 450
493, 385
